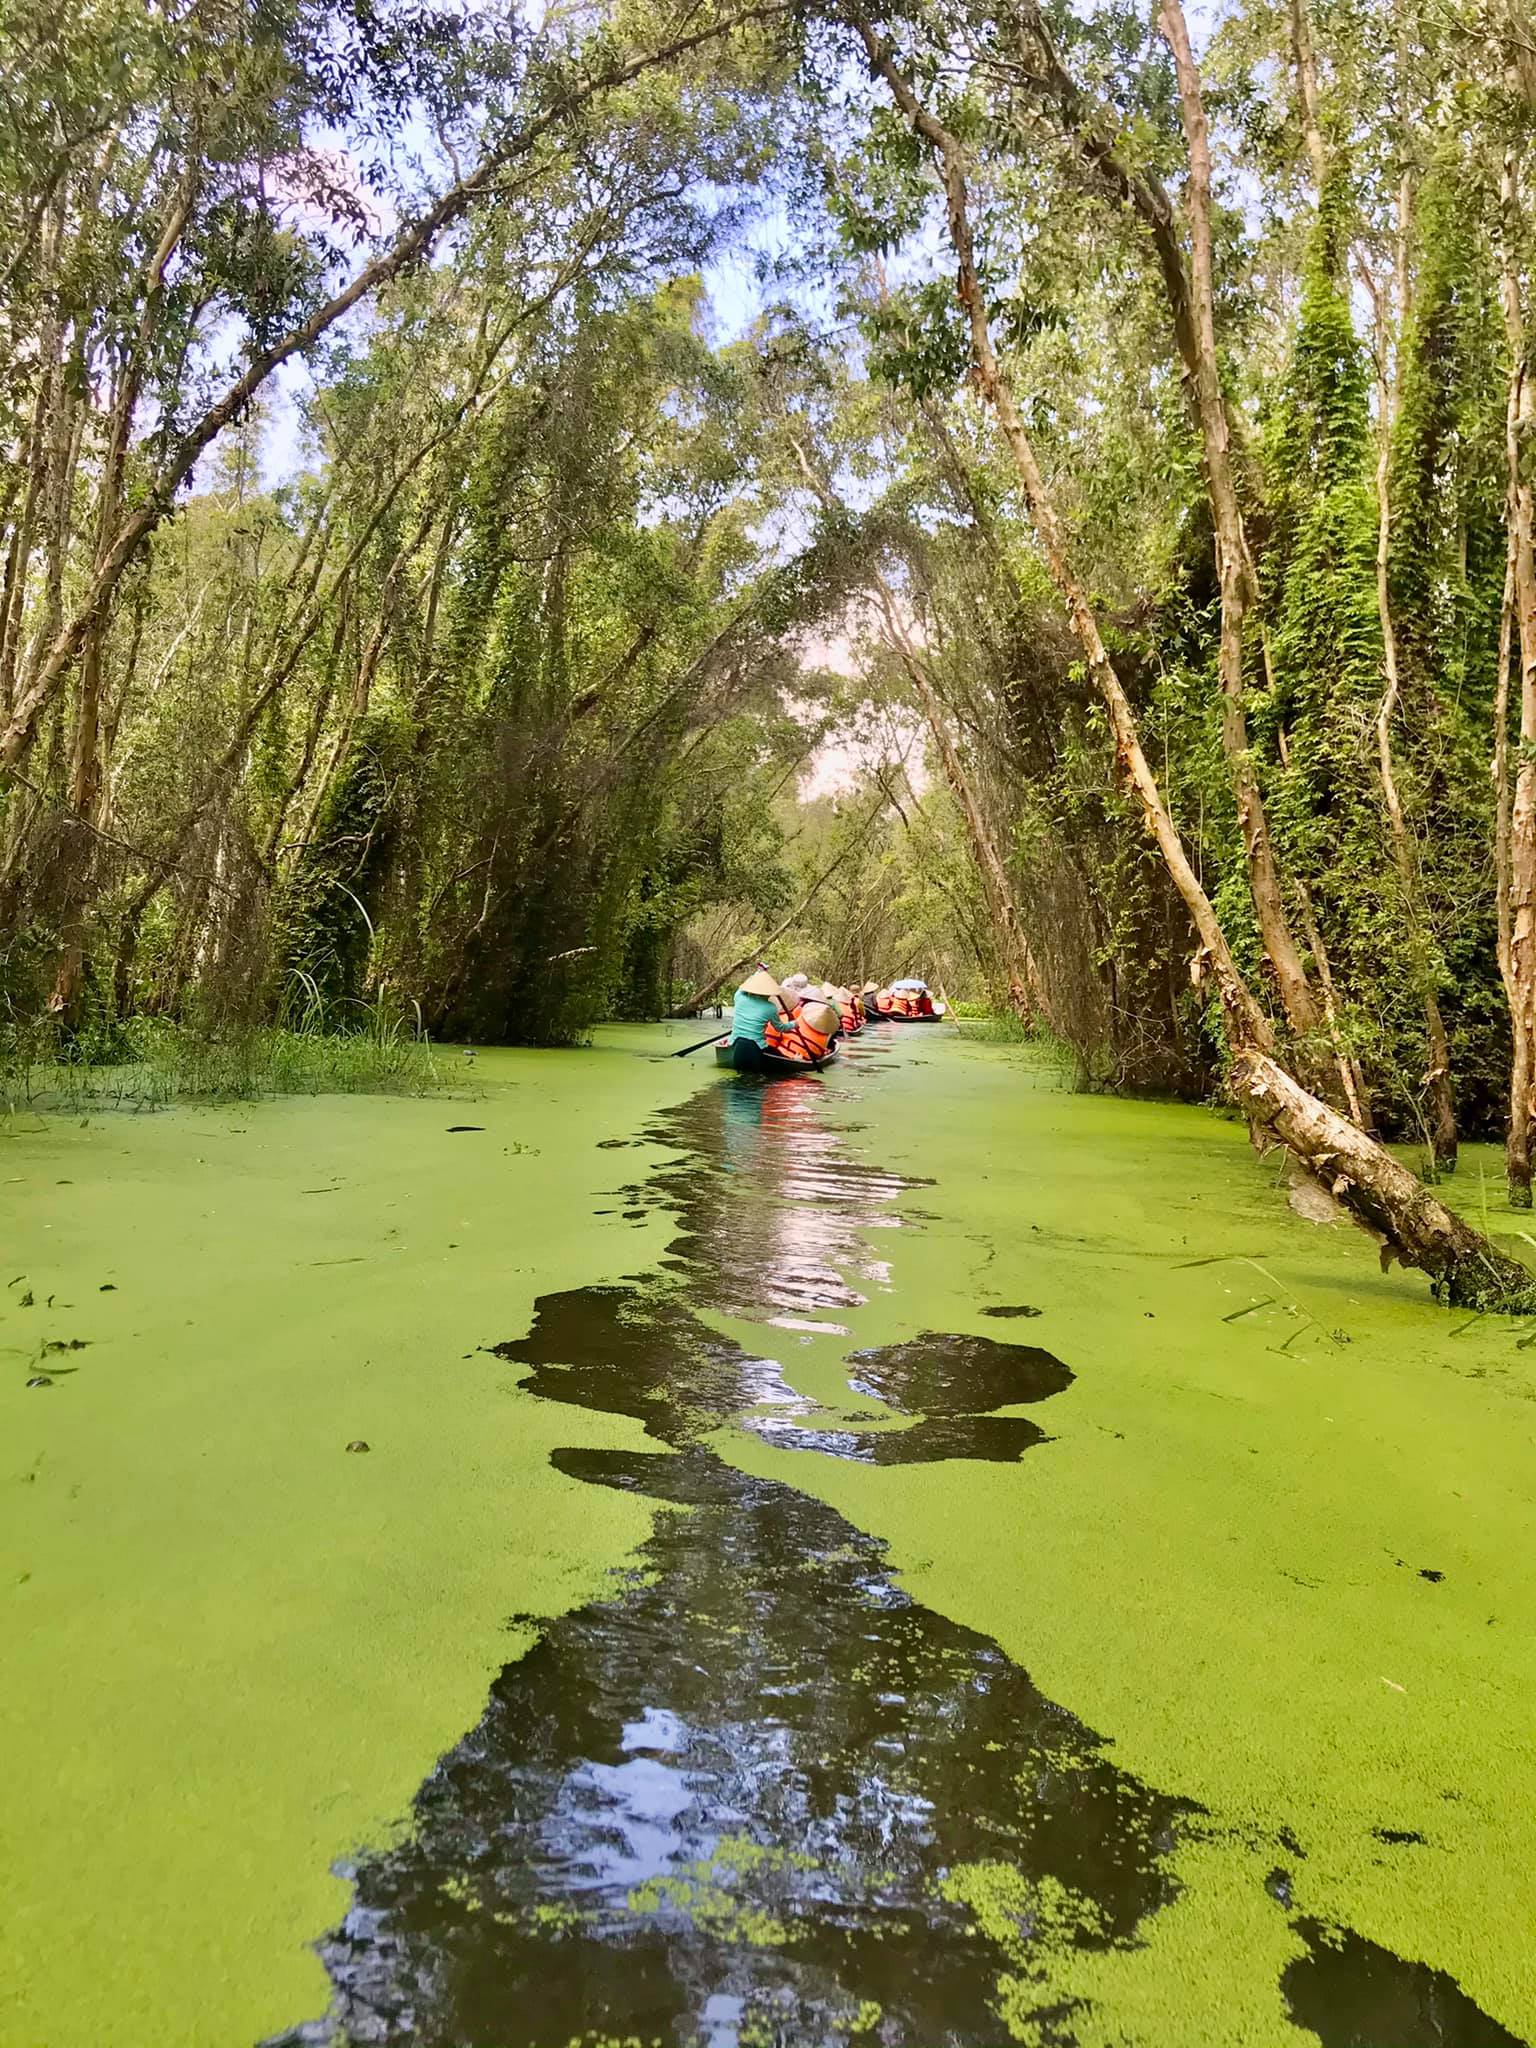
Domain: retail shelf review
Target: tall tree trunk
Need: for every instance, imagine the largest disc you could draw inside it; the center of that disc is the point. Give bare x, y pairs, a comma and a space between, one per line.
1190, 292
1437, 1081
1357, 1172
1239, 585
1304, 56
1520, 441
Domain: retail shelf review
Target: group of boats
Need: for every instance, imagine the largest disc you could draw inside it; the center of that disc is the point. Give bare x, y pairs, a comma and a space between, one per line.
819, 1017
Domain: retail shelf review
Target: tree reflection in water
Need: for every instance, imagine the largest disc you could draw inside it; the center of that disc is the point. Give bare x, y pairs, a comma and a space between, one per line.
753, 1796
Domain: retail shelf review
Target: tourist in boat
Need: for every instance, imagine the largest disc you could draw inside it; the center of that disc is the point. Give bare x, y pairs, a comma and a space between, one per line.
796, 989
849, 1014
759, 1009
808, 1037
866, 998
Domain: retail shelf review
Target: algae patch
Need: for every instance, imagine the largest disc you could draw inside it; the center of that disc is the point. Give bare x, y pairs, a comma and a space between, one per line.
232, 1651
1203, 1563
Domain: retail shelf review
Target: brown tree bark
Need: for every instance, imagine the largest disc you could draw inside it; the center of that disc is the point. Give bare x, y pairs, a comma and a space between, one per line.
1304, 56
1360, 1174
86, 769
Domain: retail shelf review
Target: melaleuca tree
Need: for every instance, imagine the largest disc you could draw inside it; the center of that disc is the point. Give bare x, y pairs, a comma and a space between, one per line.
1325, 656
1447, 574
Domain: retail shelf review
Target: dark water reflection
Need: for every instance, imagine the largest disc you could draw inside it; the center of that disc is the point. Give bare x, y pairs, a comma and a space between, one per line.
745, 1799
1353, 1994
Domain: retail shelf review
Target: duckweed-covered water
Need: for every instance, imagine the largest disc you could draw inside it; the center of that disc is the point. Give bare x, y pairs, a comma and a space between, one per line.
974, 1567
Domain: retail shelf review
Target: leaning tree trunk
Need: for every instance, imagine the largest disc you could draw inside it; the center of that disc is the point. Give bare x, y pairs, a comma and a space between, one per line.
1362, 1176
1415, 1227
1026, 990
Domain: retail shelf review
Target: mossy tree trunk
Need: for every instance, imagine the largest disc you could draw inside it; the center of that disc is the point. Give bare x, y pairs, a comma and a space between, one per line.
1521, 448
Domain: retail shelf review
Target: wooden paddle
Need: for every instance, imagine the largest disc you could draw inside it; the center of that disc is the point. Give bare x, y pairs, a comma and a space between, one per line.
684, 1050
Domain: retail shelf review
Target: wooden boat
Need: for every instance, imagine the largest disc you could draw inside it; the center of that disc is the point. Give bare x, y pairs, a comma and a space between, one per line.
774, 1064
901, 1017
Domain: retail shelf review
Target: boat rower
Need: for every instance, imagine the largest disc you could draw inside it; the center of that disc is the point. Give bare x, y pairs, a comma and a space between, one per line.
760, 1009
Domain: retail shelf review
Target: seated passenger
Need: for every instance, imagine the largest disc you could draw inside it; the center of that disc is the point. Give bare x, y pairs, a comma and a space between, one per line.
808, 1036
849, 1014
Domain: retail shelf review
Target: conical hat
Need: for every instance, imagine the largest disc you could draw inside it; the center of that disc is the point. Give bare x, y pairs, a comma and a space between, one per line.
820, 1016
869, 988
761, 983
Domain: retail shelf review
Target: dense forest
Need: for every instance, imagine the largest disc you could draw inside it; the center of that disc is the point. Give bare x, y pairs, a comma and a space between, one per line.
465, 474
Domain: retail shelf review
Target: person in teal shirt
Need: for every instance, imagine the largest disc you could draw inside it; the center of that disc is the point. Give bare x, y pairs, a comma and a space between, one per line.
759, 1003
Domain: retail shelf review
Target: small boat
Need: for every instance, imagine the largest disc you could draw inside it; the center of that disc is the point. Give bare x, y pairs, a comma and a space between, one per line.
772, 1063
902, 1017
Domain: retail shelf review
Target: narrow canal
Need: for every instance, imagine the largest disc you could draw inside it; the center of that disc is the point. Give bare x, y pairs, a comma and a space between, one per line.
758, 1794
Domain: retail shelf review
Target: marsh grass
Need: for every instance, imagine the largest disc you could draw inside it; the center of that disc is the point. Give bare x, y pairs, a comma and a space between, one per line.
149, 1063
983, 1026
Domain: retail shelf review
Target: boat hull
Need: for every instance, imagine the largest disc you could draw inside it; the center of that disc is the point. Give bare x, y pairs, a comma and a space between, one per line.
771, 1064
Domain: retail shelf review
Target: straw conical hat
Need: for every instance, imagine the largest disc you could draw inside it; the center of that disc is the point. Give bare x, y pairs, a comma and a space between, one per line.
761, 983
869, 988
820, 1016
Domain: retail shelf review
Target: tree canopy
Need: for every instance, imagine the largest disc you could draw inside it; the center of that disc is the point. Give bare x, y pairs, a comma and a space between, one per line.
500, 514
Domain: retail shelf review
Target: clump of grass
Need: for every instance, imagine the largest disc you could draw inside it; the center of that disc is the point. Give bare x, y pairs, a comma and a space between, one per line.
993, 1027
983, 1026
152, 1062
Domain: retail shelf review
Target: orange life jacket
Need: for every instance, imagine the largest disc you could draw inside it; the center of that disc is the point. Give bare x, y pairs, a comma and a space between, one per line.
801, 1041
852, 1017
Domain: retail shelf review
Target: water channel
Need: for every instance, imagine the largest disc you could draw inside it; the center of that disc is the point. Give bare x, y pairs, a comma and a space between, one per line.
757, 1793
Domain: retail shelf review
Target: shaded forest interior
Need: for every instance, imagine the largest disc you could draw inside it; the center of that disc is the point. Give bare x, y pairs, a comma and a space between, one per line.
501, 517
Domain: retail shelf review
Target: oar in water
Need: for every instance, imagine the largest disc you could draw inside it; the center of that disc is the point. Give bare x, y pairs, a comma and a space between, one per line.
684, 1050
